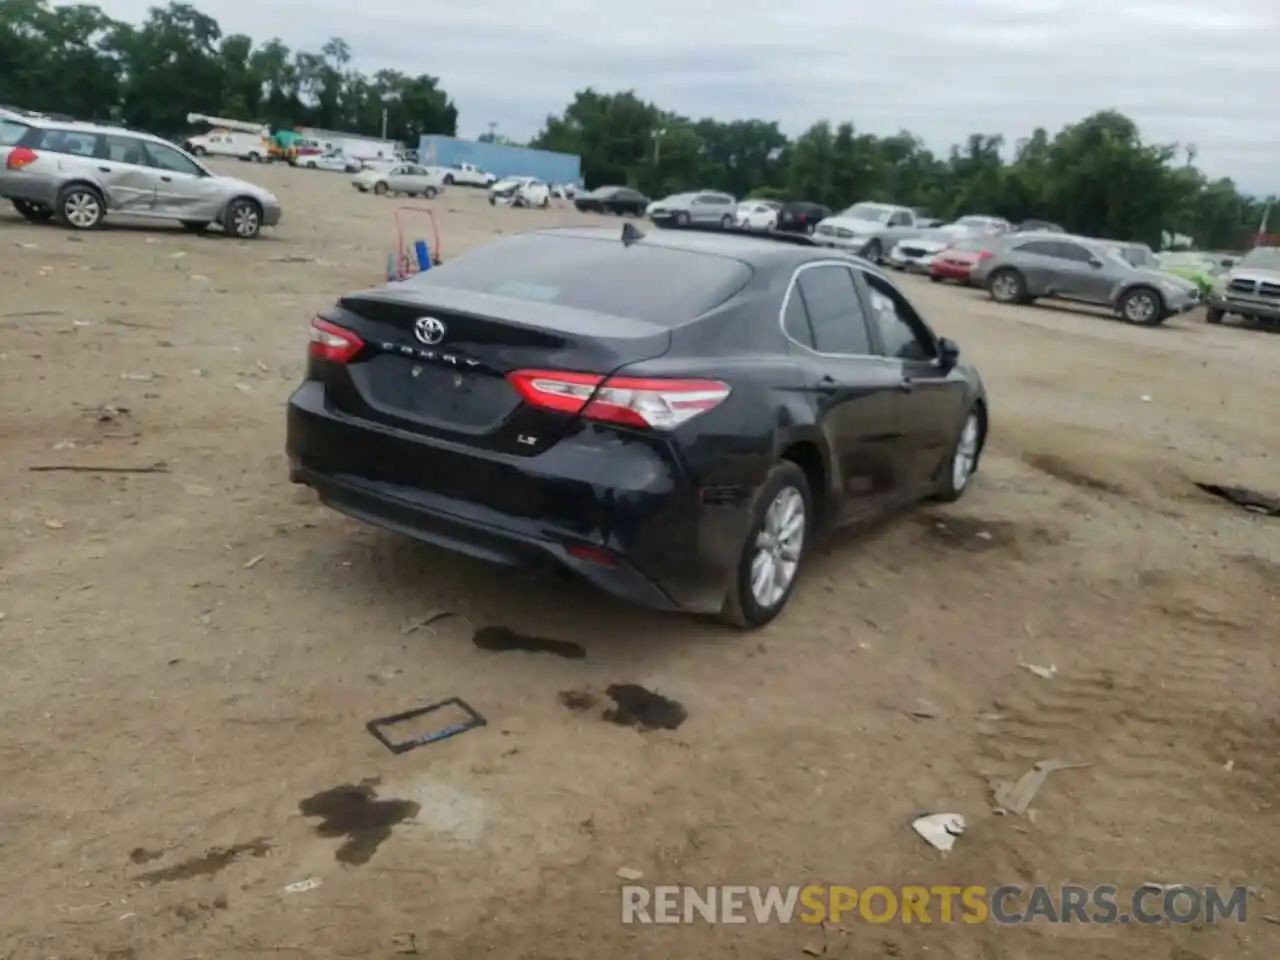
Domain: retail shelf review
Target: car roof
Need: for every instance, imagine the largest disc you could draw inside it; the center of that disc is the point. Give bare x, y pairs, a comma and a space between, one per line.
81, 126
756, 251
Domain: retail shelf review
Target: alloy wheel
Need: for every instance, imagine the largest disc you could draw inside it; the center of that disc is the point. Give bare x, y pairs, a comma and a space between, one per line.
777, 548
966, 453
83, 209
244, 221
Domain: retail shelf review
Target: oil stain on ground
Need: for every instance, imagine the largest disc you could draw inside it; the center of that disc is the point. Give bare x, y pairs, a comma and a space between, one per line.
637, 707
504, 638
214, 860
353, 811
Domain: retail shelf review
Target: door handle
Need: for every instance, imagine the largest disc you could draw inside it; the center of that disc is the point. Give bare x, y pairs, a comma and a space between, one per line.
827, 385
106, 169
166, 179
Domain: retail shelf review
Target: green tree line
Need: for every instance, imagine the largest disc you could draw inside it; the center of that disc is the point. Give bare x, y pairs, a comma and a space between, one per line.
77, 60
1096, 176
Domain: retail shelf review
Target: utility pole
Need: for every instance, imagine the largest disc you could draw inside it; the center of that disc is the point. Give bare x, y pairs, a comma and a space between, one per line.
493, 131
657, 144
384, 123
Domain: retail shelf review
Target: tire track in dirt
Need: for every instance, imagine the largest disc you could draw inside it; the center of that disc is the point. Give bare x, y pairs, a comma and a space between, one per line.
1180, 740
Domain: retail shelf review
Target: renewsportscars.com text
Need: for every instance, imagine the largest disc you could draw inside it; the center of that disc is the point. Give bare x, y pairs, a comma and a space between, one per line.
1009, 904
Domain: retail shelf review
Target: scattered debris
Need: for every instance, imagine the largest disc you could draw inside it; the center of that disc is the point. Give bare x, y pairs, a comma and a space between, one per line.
354, 812
473, 720
244, 388
924, 710
293, 258
1270, 919
1016, 798
1245, 498
143, 855
504, 638
302, 886
30, 313
198, 490
815, 949
138, 377
254, 561
577, 700
940, 830
428, 618
1044, 673
630, 874
108, 413
641, 708
177, 255
54, 524
404, 943
1229, 766
199, 278
1146, 398
983, 535
158, 467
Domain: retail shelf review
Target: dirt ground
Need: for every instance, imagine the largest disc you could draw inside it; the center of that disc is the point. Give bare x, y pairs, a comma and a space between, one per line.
188, 658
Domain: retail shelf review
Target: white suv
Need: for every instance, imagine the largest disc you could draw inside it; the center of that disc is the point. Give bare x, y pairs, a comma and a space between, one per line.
80, 173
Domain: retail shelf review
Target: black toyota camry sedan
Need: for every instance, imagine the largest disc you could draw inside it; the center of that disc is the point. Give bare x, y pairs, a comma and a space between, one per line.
673, 416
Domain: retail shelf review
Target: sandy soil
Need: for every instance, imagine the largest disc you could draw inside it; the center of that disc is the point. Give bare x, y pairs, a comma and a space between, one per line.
187, 657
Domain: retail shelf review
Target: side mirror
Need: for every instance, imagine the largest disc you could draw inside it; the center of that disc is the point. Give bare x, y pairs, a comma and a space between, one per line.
948, 352
1095, 263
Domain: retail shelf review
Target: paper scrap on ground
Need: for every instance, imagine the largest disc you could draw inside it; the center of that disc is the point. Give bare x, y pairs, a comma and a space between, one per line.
1016, 798
940, 829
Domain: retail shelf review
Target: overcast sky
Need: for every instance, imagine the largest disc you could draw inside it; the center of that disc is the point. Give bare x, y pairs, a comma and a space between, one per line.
1191, 71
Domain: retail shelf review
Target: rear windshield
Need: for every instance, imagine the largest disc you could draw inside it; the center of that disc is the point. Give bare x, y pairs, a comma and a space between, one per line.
652, 284
972, 244
11, 132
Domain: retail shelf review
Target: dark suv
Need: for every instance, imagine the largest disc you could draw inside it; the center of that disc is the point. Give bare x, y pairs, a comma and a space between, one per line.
800, 216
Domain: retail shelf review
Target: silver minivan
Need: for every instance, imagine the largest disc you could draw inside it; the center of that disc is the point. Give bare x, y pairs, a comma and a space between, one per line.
78, 174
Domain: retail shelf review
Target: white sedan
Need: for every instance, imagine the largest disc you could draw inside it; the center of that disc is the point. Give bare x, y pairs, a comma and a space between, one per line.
334, 162
757, 215
415, 180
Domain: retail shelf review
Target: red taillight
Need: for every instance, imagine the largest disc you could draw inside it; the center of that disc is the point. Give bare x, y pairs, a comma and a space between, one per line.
333, 343
985, 255
644, 402
596, 555
20, 157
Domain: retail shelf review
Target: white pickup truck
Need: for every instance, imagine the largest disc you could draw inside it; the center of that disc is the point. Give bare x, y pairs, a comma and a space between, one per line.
467, 175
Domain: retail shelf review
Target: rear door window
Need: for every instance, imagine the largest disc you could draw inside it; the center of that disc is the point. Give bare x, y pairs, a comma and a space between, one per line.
653, 284
75, 143
835, 311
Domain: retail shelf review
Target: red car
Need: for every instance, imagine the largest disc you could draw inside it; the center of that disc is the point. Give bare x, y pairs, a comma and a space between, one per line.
955, 262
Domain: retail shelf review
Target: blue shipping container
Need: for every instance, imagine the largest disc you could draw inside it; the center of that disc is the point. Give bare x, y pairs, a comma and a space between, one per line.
501, 160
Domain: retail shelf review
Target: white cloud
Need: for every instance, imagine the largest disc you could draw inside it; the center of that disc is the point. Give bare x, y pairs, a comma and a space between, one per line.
1185, 70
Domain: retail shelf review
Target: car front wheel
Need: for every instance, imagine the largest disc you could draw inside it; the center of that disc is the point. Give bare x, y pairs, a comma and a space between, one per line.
774, 549
1213, 315
963, 463
243, 220
1143, 307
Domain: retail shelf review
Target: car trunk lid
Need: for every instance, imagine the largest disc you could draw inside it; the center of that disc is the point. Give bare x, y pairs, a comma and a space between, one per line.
435, 362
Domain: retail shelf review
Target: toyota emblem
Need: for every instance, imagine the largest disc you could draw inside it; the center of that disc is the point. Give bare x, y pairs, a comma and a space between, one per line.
429, 330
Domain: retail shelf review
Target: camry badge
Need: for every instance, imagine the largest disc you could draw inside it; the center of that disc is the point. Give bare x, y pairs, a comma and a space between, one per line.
429, 330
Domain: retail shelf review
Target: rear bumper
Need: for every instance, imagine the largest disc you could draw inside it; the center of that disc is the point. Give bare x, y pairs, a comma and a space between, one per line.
16, 185
950, 271
620, 516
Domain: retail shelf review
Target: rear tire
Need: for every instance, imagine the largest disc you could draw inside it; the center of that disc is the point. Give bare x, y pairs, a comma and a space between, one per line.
430, 193
1214, 315
448, 179
726, 222
80, 207
682, 219
1007, 286
935, 279
873, 251
771, 545
380, 188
